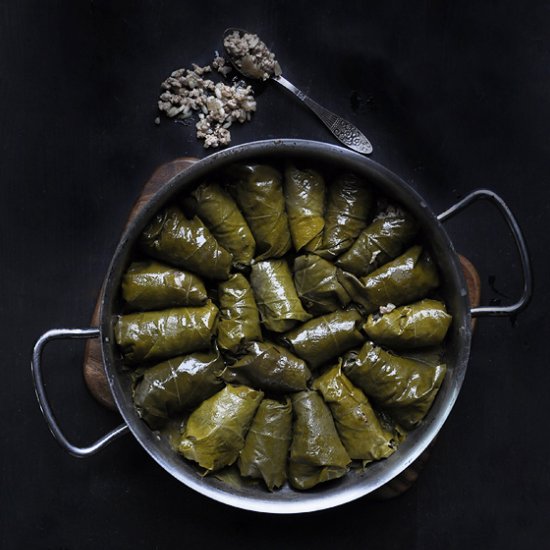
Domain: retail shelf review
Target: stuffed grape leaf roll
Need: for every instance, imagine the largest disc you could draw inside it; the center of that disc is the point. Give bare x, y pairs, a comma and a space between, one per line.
217, 209
185, 243
316, 452
176, 385
322, 339
403, 387
356, 422
155, 335
265, 451
348, 207
239, 321
406, 279
423, 323
278, 302
269, 367
152, 285
215, 432
305, 206
382, 241
317, 284
258, 191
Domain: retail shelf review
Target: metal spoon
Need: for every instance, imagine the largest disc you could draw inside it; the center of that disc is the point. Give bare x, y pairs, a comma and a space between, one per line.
345, 131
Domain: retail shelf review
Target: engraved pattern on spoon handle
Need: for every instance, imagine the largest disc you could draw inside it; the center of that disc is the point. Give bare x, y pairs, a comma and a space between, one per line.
343, 130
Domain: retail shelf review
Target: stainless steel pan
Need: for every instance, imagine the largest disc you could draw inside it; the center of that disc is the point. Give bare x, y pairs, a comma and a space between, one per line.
355, 484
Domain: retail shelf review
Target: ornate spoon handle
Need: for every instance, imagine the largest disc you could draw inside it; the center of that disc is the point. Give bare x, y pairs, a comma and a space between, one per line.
345, 131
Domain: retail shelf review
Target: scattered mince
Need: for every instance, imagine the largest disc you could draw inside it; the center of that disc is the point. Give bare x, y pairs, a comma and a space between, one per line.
251, 55
220, 65
218, 104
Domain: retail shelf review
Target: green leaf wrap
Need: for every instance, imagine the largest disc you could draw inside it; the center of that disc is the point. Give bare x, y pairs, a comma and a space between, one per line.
278, 302
259, 193
402, 281
423, 323
239, 321
269, 367
316, 452
188, 244
222, 216
382, 241
215, 432
152, 285
356, 421
305, 206
265, 451
155, 335
322, 339
317, 284
348, 206
403, 387
176, 385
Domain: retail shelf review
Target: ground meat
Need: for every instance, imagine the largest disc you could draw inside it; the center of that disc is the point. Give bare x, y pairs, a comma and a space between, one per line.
251, 55
187, 91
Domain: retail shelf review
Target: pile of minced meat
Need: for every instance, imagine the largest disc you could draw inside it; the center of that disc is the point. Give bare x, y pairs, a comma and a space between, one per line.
218, 104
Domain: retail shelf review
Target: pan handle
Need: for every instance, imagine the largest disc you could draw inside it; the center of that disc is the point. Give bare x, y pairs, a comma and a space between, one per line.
491, 196
36, 368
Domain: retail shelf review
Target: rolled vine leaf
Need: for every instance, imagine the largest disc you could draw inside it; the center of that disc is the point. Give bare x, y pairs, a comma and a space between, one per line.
317, 284
278, 302
356, 422
177, 385
258, 191
267, 366
409, 277
239, 321
185, 243
305, 206
154, 335
215, 432
403, 387
220, 213
417, 325
382, 241
265, 451
324, 338
348, 207
150, 285
316, 452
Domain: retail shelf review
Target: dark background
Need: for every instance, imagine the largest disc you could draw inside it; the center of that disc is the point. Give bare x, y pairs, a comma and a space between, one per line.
453, 95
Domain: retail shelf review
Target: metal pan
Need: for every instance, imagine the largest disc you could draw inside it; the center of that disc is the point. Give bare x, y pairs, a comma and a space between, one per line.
355, 484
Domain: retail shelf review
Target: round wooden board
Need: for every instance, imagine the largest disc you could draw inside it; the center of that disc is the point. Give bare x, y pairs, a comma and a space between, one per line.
94, 373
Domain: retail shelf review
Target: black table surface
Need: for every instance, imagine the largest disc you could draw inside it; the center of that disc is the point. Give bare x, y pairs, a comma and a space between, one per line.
453, 95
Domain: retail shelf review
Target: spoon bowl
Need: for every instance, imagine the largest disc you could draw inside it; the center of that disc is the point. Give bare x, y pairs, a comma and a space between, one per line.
245, 64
